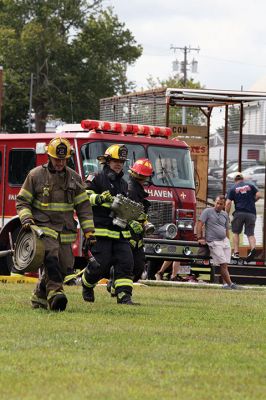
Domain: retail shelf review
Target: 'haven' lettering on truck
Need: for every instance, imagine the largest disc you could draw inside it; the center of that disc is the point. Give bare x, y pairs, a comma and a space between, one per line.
160, 193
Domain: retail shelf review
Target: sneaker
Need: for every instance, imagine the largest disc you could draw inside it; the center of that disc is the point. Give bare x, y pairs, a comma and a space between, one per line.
251, 255
159, 276
58, 302
38, 302
177, 278
88, 294
235, 256
233, 286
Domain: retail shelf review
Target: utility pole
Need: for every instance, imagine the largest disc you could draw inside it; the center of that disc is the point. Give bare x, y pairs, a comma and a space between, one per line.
184, 69
30, 105
185, 63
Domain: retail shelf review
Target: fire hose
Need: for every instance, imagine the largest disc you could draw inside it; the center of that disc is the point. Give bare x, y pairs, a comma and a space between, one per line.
29, 250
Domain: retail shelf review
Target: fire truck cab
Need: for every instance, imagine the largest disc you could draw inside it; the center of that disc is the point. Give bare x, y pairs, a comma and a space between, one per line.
171, 190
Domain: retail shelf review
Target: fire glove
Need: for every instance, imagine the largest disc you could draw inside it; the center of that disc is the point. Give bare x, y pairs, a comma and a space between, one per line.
143, 217
89, 241
104, 197
136, 227
93, 265
27, 224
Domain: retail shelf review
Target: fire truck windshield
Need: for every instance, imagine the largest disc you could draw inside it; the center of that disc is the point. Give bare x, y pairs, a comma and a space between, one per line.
91, 151
172, 167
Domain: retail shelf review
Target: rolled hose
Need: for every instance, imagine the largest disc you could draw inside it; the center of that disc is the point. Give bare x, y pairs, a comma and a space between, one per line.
29, 250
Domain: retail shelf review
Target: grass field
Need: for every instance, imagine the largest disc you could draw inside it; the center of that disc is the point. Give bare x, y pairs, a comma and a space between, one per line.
180, 343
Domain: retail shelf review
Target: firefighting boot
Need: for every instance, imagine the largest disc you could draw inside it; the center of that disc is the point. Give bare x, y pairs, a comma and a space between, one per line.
87, 288
125, 298
88, 293
38, 302
57, 300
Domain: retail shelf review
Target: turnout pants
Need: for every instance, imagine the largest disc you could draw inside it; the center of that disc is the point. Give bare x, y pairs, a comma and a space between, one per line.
112, 252
139, 262
57, 260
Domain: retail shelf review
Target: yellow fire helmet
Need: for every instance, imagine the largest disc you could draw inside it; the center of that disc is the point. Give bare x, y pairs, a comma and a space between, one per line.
115, 152
59, 148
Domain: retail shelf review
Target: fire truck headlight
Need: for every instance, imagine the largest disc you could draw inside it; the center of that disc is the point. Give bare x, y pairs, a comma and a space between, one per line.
187, 251
186, 225
157, 249
168, 231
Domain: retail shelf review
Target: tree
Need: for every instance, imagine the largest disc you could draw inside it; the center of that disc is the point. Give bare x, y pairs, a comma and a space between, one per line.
77, 53
174, 81
233, 126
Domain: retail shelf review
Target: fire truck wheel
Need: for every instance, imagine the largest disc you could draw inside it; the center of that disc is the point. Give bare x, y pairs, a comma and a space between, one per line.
153, 267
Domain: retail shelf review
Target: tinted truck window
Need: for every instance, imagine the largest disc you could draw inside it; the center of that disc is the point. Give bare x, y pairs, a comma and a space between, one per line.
21, 161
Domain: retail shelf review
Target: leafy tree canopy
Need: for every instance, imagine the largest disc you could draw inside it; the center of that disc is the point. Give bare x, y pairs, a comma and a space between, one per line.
77, 52
174, 81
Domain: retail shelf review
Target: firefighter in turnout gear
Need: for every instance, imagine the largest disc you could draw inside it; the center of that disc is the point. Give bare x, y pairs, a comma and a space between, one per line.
139, 174
112, 247
50, 195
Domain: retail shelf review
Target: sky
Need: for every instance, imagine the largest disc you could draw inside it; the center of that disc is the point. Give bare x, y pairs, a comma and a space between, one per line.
231, 35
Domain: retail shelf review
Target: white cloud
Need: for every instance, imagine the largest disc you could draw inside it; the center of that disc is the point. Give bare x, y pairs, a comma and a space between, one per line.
231, 35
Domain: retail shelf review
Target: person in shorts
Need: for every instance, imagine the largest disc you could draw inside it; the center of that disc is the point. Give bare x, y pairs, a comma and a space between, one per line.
244, 194
213, 230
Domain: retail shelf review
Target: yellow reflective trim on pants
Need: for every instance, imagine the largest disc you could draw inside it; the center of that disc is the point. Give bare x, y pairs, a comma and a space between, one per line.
67, 238
53, 293
87, 284
123, 282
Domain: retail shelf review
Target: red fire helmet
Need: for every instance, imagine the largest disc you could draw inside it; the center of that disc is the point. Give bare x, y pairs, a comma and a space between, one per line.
142, 167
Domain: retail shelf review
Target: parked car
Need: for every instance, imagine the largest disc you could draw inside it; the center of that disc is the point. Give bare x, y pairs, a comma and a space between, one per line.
215, 187
234, 167
212, 170
255, 174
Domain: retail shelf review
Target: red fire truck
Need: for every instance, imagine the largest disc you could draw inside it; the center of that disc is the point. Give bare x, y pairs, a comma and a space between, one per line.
171, 192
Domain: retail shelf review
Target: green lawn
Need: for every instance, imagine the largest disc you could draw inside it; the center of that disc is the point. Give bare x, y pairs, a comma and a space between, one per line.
180, 343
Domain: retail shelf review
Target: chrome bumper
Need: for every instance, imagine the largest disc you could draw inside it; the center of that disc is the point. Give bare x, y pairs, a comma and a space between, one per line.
167, 249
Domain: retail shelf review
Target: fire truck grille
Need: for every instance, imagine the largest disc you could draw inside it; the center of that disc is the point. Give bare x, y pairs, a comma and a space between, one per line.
160, 213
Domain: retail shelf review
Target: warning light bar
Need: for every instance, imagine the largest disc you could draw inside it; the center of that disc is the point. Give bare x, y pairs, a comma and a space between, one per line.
124, 128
